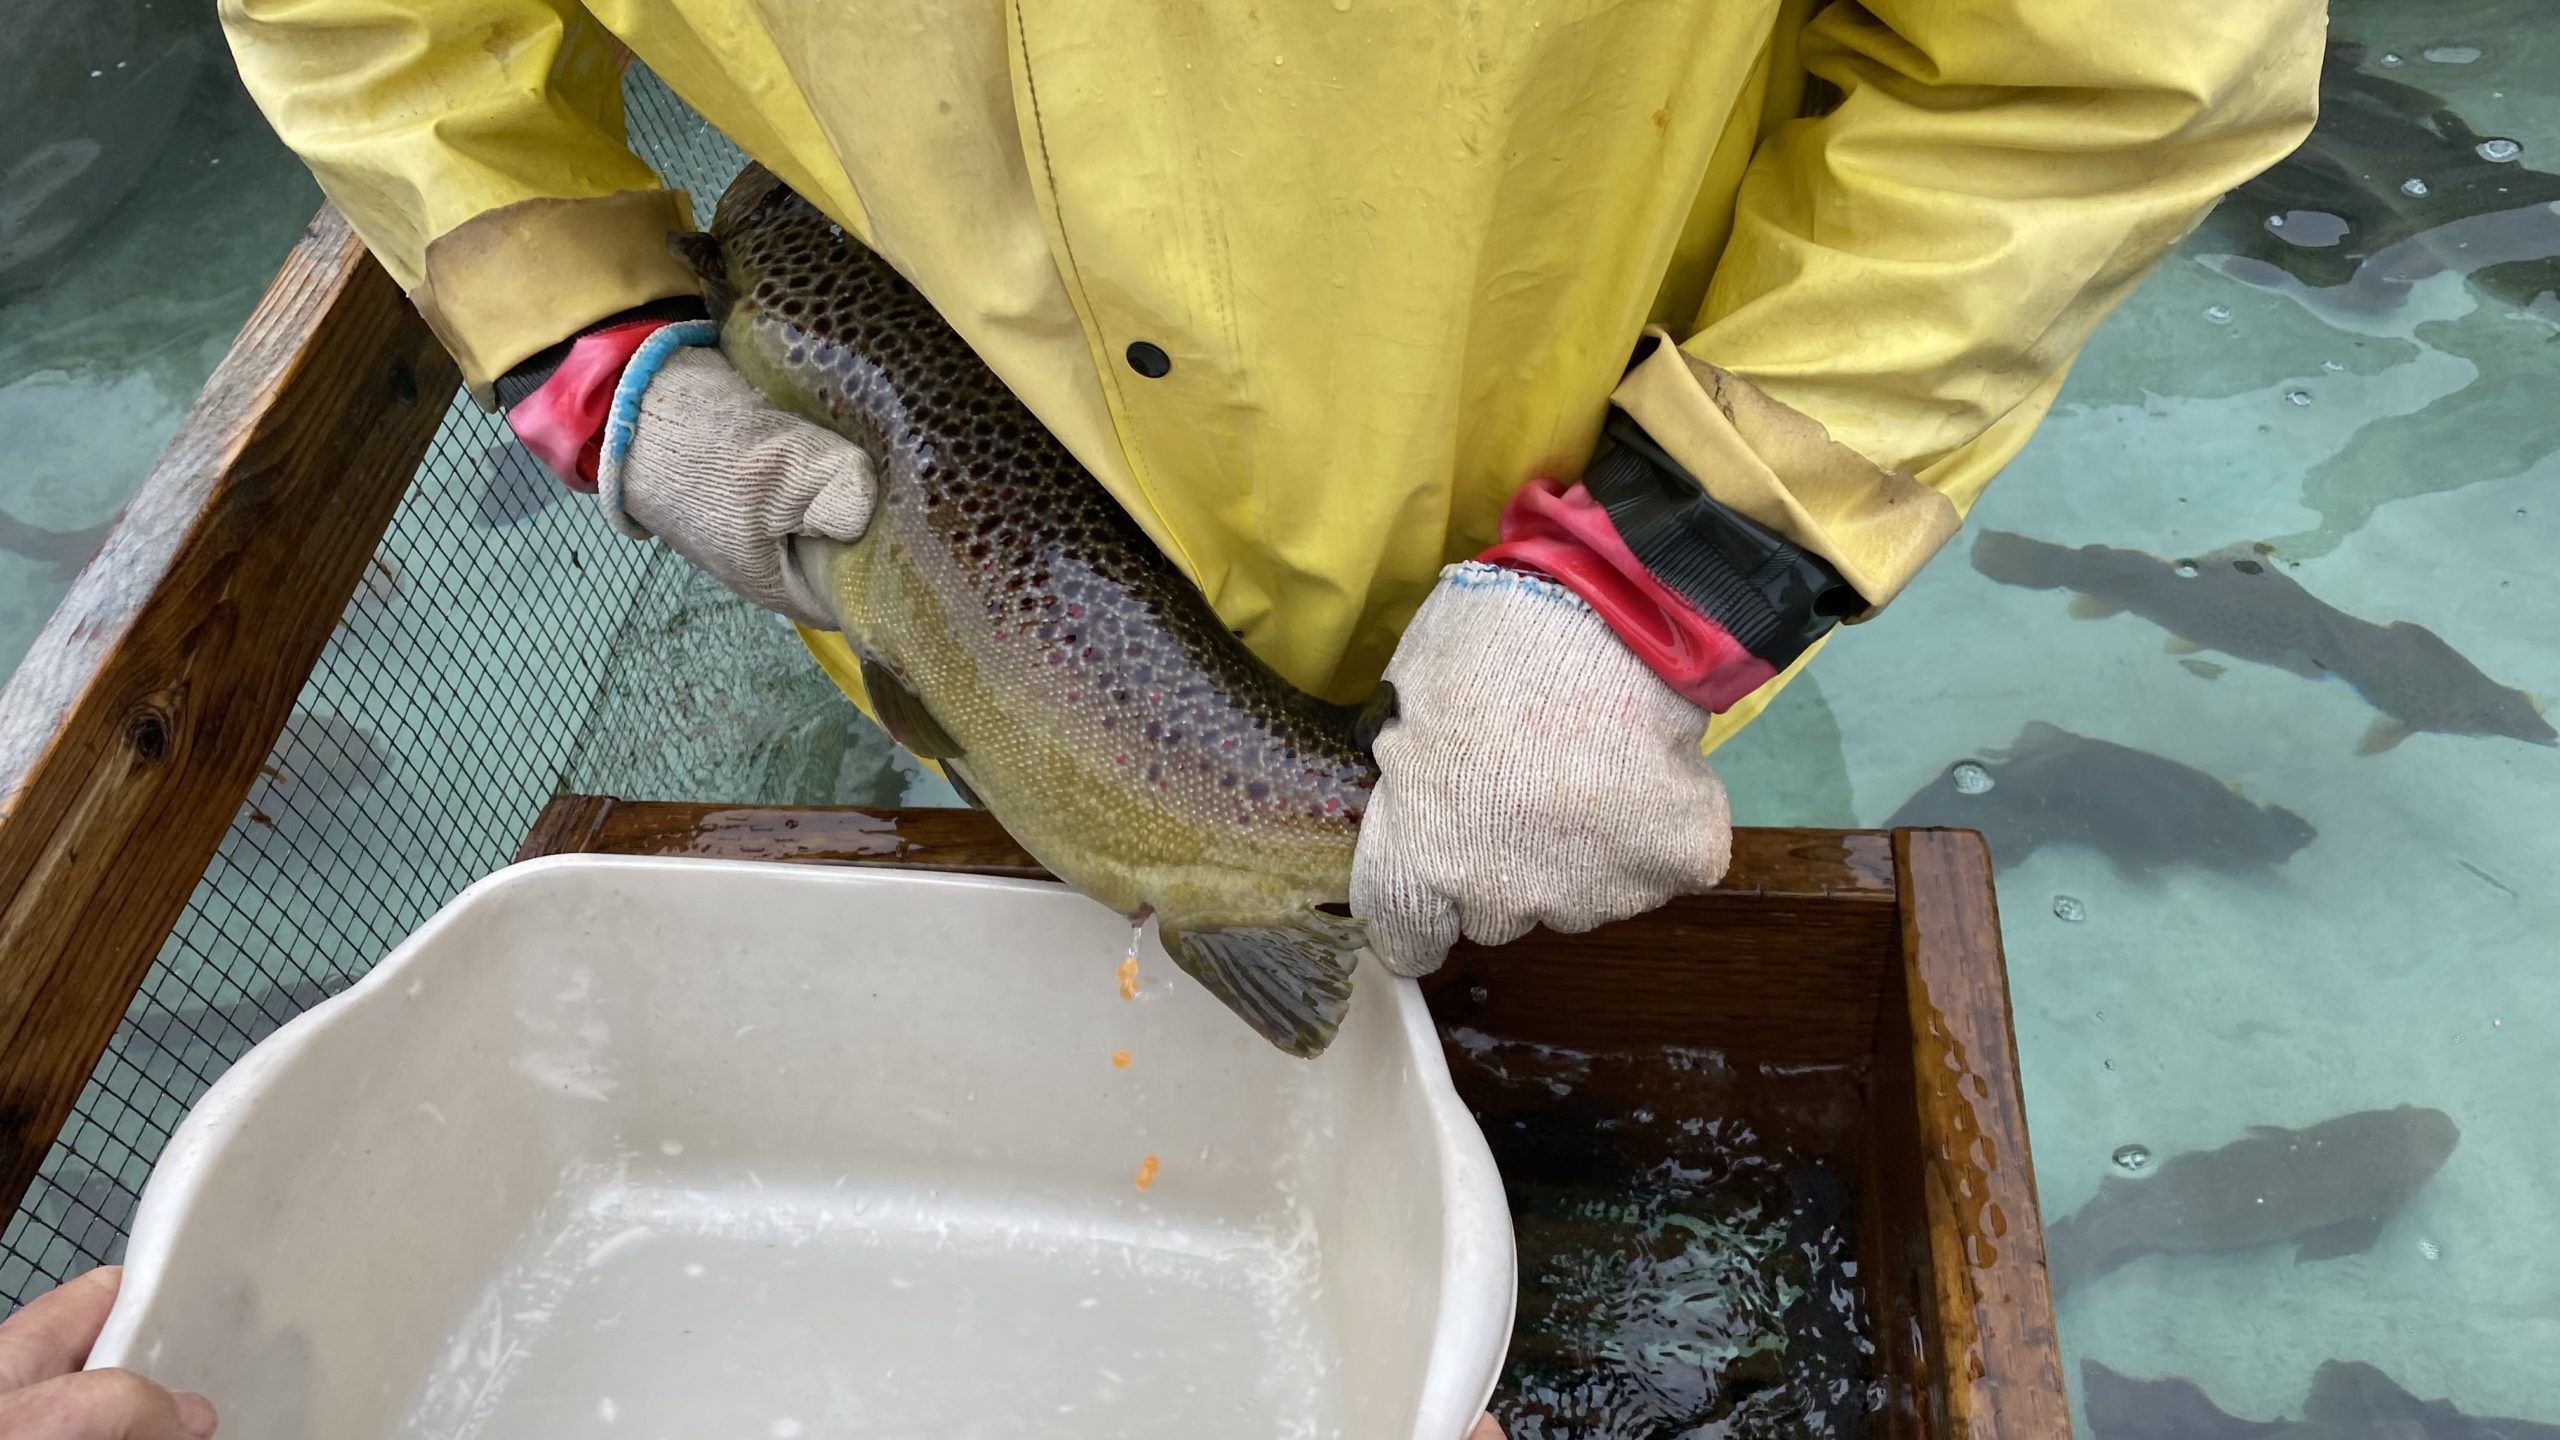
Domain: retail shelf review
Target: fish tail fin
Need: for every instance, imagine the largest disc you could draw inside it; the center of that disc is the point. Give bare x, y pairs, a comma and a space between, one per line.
1291, 982
2015, 560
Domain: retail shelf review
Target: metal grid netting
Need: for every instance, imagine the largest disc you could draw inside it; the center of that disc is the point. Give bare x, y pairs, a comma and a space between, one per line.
460, 686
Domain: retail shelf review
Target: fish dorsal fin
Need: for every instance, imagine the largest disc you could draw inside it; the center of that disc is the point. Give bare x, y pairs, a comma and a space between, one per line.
2385, 733
902, 713
2091, 607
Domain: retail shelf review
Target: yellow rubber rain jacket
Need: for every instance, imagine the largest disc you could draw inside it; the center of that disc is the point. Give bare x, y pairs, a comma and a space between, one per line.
1398, 252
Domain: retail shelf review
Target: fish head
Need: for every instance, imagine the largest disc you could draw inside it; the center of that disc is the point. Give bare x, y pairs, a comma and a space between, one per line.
2286, 833
2428, 1136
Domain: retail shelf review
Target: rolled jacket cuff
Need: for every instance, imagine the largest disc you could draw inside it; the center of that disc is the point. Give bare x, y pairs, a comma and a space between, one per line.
508, 283
1566, 536
1780, 470
622, 417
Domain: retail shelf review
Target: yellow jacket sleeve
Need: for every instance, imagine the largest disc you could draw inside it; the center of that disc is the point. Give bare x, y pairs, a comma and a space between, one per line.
1911, 271
476, 146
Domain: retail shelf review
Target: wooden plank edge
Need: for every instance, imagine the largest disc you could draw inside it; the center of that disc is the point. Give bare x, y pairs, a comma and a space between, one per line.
1999, 1360
133, 730
1768, 863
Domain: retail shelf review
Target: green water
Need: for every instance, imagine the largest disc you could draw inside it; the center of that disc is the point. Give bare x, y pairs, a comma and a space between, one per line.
2386, 429
1686, 1233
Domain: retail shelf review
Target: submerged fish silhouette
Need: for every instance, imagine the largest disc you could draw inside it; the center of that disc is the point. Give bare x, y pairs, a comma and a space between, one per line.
2142, 811
2351, 1398
2239, 605
2328, 1188
67, 551
2120, 1407
2351, 217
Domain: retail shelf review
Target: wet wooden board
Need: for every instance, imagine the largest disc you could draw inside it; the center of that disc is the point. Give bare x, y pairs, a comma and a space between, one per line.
1858, 948
133, 729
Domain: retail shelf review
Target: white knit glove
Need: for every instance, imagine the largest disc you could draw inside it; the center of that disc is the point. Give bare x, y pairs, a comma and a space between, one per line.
694, 455
1535, 773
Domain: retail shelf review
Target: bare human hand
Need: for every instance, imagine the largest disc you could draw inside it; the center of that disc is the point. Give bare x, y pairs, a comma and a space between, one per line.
1485, 1429
45, 1395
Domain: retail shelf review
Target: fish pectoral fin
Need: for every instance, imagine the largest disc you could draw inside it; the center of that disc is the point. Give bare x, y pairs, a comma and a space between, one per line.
2384, 734
2347, 1237
903, 714
2090, 607
1373, 717
960, 787
2181, 645
1290, 982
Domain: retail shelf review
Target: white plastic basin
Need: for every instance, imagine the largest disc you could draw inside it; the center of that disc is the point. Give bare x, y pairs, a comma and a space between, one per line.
697, 1150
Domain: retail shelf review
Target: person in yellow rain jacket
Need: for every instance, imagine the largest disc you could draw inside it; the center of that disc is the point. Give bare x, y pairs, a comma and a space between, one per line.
1576, 364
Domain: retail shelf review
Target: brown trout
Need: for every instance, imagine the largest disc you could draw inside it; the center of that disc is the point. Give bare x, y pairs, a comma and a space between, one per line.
1016, 625
2328, 1189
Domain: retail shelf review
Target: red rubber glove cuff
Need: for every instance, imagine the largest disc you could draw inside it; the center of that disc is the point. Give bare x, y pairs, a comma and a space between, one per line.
1565, 535
562, 421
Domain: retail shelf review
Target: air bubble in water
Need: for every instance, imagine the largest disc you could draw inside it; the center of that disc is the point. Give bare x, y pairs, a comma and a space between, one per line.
1971, 778
2389, 59
2452, 54
2068, 907
2332, 366
2298, 397
2429, 1248
2186, 569
2218, 314
2498, 147
2414, 188
2132, 1158
2275, 222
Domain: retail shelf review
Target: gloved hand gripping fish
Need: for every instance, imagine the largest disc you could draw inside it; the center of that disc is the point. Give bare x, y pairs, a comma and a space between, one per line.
1016, 625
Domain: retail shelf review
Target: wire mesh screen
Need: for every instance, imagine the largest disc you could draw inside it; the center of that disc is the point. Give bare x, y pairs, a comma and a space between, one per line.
503, 640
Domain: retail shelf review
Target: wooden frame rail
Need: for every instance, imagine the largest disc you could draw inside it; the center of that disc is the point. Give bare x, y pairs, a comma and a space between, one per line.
133, 729
1820, 947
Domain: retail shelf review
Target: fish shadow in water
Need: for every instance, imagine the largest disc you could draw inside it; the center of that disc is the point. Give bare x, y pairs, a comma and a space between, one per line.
2327, 1190
2354, 225
2348, 1400
2143, 812
2236, 603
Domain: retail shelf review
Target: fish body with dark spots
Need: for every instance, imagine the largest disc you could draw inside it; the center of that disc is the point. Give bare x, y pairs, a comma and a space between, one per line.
2328, 1188
1015, 624
2237, 604
2144, 812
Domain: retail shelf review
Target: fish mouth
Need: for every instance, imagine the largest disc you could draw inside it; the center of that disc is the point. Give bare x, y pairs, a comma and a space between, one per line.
809, 568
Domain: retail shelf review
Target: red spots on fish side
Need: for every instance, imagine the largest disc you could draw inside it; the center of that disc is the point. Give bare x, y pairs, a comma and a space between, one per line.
1332, 805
